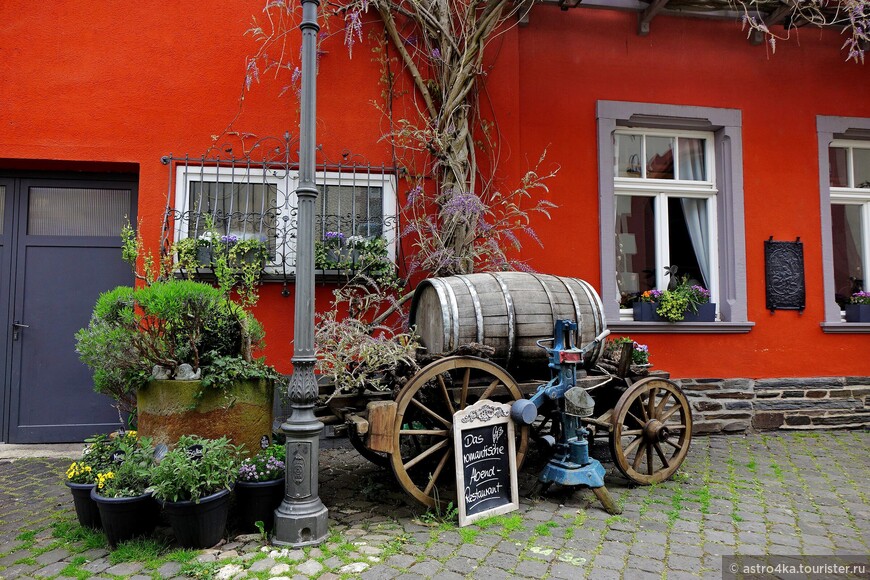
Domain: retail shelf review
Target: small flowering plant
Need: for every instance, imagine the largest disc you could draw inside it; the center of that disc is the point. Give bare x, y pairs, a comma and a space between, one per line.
98, 455
640, 354
80, 472
266, 465
651, 296
860, 298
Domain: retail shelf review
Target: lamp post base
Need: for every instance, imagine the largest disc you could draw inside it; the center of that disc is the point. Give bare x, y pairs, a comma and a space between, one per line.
303, 524
301, 519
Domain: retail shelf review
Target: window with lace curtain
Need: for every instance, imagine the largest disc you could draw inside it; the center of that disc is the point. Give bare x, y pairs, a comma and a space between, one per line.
665, 192
671, 196
849, 163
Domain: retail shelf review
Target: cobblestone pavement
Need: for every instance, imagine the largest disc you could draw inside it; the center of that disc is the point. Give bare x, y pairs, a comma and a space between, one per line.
778, 494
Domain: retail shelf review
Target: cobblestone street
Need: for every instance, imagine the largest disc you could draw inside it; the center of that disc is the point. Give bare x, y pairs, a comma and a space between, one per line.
797, 494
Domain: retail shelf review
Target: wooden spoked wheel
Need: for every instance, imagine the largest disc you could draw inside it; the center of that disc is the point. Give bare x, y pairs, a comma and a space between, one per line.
422, 456
652, 429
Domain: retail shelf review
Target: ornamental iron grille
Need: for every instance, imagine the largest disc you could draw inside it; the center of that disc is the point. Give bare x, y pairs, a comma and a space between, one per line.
245, 188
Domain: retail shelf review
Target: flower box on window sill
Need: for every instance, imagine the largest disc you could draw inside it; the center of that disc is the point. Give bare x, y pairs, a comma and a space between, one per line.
857, 312
646, 312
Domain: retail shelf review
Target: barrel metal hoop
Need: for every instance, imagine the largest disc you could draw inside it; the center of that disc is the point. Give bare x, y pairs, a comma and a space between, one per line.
509, 303
443, 295
550, 298
475, 301
576, 303
597, 314
454, 312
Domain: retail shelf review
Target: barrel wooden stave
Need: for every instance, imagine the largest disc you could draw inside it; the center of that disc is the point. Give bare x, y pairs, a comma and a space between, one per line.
509, 311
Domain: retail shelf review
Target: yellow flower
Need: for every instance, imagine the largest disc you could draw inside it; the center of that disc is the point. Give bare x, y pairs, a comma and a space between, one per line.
131, 433
103, 478
77, 469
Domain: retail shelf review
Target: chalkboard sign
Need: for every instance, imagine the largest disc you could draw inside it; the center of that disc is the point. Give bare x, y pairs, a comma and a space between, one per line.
486, 461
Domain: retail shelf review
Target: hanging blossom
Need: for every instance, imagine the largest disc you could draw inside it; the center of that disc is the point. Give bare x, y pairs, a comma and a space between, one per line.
463, 204
353, 25
252, 73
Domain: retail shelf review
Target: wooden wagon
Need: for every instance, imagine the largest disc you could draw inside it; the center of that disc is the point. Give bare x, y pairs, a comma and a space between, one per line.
646, 418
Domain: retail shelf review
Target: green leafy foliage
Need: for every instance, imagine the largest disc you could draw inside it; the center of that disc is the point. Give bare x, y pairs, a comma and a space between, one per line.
182, 476
168, 323
223, 371
132, 475
97, 455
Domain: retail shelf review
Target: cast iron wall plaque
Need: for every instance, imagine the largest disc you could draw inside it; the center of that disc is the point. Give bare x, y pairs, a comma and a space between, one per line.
784, 275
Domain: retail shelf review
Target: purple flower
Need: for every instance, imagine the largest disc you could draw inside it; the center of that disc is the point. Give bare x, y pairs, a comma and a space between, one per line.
230, 239
463, 204
436, 54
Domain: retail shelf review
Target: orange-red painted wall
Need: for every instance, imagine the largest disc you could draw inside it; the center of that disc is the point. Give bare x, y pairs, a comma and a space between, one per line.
127, 84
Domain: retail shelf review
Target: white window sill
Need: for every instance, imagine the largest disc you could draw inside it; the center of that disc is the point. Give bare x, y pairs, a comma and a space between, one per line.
845, 327
682, 327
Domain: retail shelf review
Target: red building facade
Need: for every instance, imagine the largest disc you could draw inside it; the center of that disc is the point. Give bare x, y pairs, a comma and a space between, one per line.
761, 146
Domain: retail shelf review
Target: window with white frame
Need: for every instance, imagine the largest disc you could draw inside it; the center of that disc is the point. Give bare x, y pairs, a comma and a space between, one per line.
849, 172
665, 195
260, 203
844, 170
671, 194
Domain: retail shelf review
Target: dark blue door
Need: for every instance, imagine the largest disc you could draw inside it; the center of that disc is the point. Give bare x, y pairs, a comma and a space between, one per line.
65, 250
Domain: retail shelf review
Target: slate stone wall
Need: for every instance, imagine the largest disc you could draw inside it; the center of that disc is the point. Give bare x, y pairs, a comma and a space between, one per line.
734, 405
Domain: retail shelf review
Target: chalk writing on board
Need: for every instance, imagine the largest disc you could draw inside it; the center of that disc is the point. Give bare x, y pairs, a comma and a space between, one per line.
486, 462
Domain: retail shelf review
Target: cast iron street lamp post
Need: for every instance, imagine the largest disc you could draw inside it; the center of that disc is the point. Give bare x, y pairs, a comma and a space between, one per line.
301, 519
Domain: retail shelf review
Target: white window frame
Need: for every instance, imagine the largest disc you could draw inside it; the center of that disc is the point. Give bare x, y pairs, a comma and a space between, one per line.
831, 131
857, 196
286, 183
663, 189
726, 126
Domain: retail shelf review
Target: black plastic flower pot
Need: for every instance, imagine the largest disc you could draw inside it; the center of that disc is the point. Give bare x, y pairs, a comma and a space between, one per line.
125, 518
256, 501
199, 525
87, 511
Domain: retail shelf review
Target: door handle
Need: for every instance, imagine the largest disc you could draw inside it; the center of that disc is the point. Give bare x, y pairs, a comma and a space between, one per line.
16, 328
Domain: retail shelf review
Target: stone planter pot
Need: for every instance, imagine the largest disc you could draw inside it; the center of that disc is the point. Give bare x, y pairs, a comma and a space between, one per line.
199, 524
257, 501
857, 312
645, 312
87, 511
169, 409
706, 313
125, 518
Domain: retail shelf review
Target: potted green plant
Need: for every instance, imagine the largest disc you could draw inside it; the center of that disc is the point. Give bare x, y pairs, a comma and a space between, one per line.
252, 251
193, 482
644, 308
97, 456
684, 303
370, 258
331, 253
126, 507
260, 488
858, 308
184, 353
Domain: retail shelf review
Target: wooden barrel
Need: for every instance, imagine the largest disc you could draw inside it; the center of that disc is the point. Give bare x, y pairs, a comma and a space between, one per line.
508, 311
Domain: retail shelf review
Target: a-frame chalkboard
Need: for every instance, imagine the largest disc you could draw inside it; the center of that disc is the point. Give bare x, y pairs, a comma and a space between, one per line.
486, 461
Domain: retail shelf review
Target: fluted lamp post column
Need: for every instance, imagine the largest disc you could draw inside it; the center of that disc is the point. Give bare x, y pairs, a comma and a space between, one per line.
302, 519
